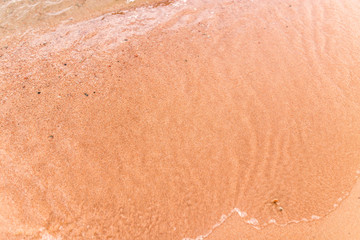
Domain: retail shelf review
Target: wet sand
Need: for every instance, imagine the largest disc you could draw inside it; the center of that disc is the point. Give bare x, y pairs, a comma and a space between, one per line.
154, 123
19, 16
340, 224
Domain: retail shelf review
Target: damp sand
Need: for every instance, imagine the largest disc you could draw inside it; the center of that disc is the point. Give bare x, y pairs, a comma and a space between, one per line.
156, 122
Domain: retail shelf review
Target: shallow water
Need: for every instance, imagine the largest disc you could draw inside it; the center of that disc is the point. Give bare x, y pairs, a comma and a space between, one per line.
153, 123
18, 16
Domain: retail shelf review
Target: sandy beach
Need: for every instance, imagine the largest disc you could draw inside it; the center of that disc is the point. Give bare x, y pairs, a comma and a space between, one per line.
181, 120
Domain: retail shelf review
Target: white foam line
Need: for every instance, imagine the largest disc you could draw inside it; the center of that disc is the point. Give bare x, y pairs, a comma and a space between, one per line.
252, 222
241, 214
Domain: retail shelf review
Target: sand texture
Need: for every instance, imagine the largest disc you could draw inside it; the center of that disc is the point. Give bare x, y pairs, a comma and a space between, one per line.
209, 119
